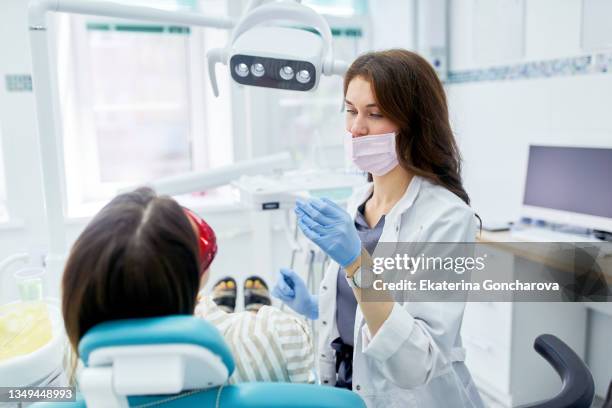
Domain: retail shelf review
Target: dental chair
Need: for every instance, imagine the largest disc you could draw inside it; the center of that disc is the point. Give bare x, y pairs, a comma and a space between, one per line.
183, 361
179, 362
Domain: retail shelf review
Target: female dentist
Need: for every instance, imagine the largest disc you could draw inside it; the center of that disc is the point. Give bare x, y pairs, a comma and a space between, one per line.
392, 354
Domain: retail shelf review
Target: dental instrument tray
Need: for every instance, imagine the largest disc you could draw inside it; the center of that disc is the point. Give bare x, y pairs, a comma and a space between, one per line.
263, 193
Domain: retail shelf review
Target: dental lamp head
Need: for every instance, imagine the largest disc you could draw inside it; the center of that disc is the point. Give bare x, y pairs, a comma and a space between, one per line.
263, 52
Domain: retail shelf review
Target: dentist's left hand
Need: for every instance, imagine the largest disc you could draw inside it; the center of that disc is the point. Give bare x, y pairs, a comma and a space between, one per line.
331, 228
292, 290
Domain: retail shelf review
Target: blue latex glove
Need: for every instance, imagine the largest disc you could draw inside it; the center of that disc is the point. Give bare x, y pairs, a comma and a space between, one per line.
291, 289
331, 228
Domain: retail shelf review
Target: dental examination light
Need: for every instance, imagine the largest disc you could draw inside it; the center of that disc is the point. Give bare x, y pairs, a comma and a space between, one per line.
278, 56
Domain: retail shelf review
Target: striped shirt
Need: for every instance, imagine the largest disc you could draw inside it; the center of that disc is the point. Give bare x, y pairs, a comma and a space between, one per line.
270, 345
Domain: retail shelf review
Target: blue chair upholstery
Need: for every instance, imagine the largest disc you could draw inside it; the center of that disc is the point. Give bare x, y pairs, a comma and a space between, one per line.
156, 330
194, 331
247, 395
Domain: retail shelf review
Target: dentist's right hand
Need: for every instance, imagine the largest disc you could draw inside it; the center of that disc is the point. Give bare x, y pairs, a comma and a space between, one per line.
291, 289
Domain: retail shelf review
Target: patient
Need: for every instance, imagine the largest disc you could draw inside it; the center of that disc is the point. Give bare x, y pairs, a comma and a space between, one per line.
145, 256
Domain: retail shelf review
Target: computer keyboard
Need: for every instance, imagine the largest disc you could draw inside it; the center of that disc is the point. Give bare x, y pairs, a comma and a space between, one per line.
546, 235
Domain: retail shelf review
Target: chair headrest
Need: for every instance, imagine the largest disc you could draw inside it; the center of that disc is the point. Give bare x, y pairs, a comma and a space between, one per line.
179, 329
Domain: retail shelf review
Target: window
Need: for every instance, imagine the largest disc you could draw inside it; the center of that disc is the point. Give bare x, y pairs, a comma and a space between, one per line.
136, 105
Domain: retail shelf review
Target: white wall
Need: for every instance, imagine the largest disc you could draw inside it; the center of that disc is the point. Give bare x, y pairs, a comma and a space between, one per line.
392, 23
496, 121
497, 32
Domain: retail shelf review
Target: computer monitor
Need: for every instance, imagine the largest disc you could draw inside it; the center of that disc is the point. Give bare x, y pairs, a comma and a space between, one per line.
570, 185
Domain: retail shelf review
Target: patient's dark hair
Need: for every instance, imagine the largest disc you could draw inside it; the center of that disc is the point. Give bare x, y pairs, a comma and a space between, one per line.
137, 258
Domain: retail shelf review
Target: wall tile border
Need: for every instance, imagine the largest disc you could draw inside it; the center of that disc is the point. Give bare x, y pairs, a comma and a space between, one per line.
579, 65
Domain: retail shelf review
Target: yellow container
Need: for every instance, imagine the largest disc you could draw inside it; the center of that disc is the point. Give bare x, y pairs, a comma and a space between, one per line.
24, 328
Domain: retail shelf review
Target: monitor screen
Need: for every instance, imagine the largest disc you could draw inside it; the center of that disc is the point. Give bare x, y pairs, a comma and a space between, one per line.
573, 179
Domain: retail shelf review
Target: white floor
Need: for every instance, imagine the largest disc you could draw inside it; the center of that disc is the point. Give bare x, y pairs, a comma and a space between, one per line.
490, 402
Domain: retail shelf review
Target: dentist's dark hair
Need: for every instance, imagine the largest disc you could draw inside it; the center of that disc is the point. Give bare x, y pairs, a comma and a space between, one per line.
137, 258
409, 93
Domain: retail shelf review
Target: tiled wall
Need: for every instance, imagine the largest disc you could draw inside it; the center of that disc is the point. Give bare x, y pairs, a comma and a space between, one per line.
540, 96
579, 65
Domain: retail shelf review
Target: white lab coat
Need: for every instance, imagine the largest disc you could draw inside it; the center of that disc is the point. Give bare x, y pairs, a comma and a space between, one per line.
416, 357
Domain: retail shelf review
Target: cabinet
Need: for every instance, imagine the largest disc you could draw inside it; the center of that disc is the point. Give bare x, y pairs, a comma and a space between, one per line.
499, 336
